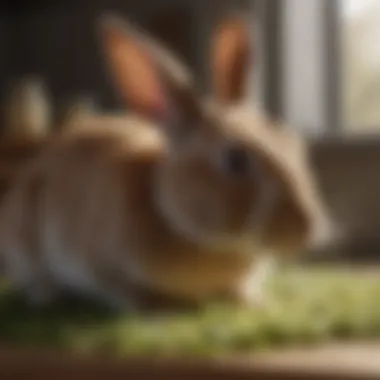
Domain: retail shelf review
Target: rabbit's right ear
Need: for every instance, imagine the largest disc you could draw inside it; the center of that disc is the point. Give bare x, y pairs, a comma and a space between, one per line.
142, 75
231, 49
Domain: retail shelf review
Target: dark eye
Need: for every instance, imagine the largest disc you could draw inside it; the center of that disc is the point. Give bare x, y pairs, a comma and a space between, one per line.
236, 161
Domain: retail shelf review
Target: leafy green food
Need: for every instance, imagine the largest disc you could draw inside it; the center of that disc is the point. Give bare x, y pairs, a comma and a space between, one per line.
305, 306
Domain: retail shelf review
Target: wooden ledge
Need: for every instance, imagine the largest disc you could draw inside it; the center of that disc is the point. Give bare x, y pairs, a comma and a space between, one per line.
354, 362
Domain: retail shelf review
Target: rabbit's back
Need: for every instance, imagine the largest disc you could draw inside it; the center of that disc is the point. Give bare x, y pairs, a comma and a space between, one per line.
67, 203
91, 207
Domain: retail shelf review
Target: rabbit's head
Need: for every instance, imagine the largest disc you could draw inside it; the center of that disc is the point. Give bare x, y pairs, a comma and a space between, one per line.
230, 178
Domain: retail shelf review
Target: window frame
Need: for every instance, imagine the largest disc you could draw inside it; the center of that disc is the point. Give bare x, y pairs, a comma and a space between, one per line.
279, 40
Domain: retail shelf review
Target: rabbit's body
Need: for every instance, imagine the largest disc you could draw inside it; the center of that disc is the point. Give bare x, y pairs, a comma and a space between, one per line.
77, 110
182, 197
73, 237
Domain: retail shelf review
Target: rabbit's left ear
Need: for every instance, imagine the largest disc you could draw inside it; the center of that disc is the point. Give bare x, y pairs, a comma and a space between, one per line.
146, 77
231, 51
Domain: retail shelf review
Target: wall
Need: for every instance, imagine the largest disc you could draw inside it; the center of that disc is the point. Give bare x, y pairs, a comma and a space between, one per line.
60, 43
348, 172
5, 55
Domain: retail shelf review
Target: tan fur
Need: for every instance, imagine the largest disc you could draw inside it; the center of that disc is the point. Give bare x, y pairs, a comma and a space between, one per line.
73, 113
146, 202
27, 126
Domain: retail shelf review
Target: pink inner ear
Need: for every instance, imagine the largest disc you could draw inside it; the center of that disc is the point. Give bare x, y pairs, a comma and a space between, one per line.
231, 60
135, 74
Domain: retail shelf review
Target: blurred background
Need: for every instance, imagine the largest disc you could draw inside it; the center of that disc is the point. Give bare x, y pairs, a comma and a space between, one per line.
317, 67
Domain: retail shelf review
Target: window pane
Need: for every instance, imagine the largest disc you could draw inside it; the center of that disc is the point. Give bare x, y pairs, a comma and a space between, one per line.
361, 65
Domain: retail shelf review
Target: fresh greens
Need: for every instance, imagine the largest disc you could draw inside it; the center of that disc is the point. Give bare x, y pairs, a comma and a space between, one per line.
306, 306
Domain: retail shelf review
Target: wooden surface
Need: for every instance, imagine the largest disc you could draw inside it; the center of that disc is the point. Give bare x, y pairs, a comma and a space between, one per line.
358, 360
355, 362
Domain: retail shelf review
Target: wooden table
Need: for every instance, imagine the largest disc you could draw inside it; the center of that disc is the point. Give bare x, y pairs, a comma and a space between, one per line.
335, 362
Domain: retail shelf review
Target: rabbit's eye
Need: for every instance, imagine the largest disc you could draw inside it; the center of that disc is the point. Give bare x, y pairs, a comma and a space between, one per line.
236, 161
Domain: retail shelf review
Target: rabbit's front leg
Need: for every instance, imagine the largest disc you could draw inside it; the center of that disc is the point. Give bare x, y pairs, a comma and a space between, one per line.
250, 292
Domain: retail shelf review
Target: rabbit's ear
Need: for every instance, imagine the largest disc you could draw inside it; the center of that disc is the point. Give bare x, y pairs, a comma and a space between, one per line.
149, 82
230, 59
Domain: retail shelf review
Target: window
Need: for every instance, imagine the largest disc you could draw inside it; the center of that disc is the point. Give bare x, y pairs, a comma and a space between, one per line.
304, 89
327, 76
361, 65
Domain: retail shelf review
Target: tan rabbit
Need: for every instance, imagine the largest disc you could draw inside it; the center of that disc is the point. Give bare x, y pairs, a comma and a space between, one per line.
183, 197
27, 110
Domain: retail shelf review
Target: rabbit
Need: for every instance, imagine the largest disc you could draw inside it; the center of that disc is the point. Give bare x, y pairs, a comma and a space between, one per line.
184, 196
28, 110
